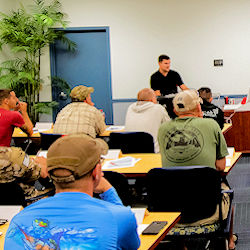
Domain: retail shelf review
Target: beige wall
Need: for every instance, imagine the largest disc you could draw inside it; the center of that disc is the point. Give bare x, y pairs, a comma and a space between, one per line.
193, 33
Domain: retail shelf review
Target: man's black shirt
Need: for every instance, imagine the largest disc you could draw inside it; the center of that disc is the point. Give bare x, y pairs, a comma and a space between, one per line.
212, 111
166, 84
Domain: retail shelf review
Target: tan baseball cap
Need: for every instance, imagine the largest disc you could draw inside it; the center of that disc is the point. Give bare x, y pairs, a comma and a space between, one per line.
186, 100
81, 92
76, 154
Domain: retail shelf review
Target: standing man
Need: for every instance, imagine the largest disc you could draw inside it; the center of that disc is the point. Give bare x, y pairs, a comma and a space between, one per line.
80, 116
13, 113
73, 219
146, 115
165, 82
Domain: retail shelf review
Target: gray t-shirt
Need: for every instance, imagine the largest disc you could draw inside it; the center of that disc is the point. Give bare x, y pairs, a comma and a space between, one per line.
191, 141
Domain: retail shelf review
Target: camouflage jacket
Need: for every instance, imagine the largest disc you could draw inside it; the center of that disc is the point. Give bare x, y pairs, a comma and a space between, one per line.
15, 165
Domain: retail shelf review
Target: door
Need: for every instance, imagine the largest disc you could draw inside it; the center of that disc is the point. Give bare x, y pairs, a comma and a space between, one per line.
88, 65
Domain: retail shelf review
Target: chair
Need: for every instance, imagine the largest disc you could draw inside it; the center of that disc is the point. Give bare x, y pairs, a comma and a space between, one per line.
11, 194
132, 142
195, 191
48, 139
120, 183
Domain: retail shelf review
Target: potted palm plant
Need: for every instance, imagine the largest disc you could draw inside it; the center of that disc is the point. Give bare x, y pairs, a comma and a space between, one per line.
28, 33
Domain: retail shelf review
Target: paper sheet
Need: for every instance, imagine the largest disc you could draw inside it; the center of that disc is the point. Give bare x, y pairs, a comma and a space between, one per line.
231, 106
8, 212
124, 162
141, 227
42, 126
42, 153
115, 128
112, 154
139, 214
228, 161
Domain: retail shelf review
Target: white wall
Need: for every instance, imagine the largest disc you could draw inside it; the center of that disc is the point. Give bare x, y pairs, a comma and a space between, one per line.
193, 33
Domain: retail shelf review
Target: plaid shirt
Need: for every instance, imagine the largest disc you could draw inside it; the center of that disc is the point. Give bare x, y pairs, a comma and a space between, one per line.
79, 117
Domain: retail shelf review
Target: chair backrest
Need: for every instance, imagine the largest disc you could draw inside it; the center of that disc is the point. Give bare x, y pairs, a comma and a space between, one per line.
132, 142
11, 194
48, 139
120, 183
194, 191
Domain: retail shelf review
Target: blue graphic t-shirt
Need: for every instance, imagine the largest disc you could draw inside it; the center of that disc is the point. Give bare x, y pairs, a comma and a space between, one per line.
73, 220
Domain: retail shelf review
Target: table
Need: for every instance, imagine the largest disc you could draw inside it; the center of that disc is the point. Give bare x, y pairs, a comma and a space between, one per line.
239, 136
3, 229
235, 158
19, 133
106, 133
151, 241
152, 160
142, 167
227, 126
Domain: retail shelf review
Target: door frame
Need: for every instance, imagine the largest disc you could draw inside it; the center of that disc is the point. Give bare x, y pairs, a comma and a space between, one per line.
107, 38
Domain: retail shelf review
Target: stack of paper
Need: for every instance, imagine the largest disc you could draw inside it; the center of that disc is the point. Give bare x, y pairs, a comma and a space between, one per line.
231, 152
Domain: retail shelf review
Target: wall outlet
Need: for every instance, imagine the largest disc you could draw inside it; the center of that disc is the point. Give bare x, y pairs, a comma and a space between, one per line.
218, 62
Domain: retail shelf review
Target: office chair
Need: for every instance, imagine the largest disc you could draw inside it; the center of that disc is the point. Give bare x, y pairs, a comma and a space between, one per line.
195, 191
11, 194
132, 142
120, 183
48, 139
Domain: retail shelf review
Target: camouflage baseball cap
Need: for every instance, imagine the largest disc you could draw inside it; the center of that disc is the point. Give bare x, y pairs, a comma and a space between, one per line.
81, 92
186, 100
79, 155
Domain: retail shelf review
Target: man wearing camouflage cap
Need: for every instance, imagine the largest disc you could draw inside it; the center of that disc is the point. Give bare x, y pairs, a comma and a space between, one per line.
73, 219
17, 166
80, 116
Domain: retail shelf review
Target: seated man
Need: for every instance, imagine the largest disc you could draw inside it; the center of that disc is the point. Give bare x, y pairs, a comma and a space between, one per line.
73, 219
146, 115
17, 166
13, 113
80, 116
210, 110
191, 140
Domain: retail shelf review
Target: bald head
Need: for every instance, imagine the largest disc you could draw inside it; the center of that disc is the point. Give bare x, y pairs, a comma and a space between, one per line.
147, 95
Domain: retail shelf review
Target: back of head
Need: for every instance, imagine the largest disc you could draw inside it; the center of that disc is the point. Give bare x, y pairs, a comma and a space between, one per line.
205, 93
4, 93
163, 57
80, 93
186, 101
145, 94
76, 156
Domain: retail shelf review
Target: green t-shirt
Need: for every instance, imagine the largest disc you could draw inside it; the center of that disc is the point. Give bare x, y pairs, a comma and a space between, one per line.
191, 141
